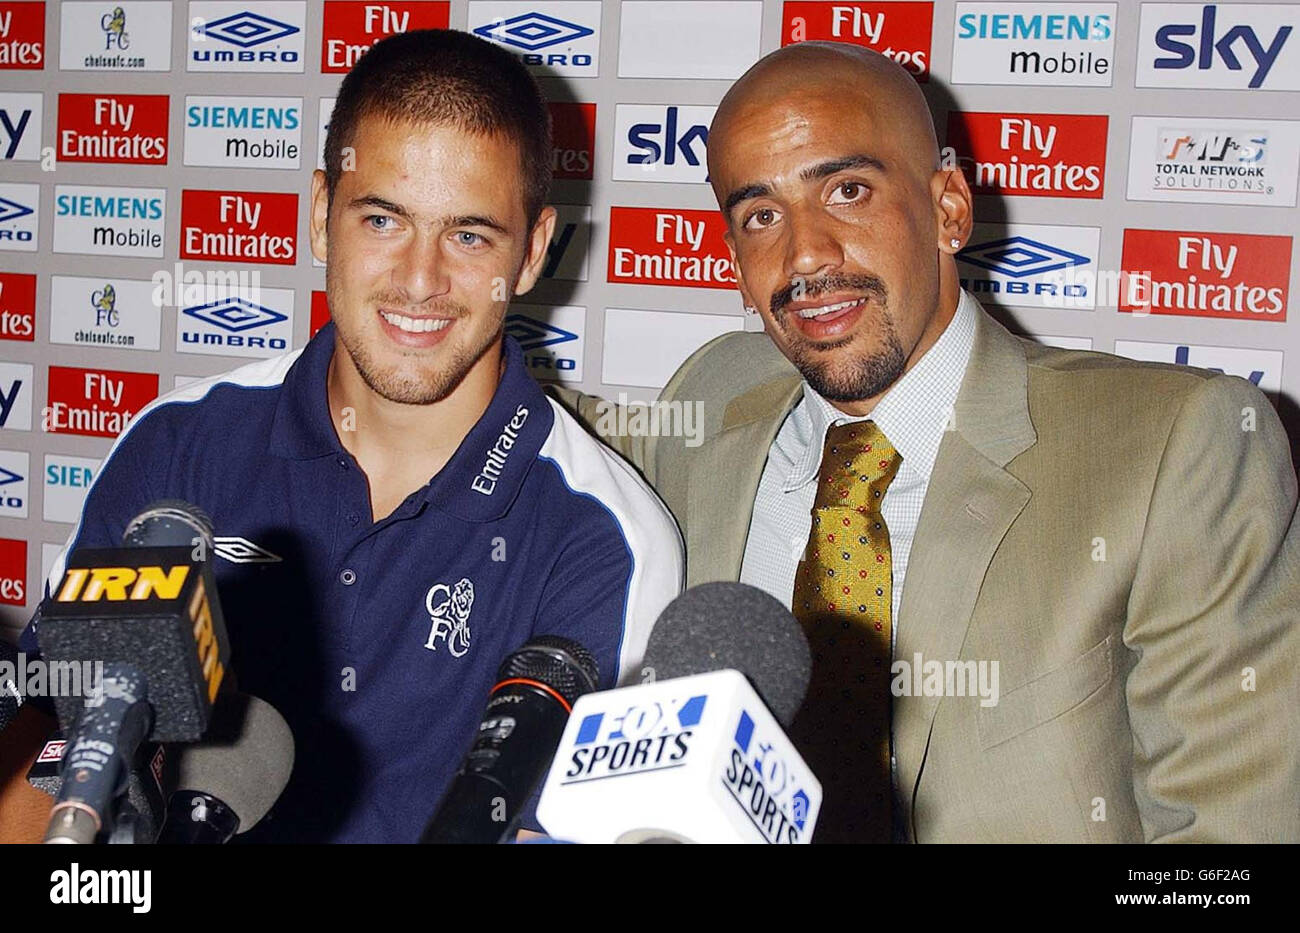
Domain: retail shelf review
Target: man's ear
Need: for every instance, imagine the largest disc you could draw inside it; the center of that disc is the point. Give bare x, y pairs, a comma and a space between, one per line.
539, 244
745, 296
954, 216
320, 209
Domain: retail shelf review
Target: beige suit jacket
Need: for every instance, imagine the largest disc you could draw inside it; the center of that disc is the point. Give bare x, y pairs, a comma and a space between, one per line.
1119, 537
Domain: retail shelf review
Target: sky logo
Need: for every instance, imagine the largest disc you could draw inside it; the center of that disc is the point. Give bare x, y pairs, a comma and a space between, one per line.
1235, 45
236, 315
1020, 257
532, 31
661, 143
246, 29
533, 334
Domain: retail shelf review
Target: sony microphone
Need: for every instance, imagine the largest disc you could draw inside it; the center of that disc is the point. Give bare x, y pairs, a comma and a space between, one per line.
147, 612
229, 781
535, 691
695, 753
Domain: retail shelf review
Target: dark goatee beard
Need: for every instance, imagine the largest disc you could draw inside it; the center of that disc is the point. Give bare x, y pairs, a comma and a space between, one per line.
846, 381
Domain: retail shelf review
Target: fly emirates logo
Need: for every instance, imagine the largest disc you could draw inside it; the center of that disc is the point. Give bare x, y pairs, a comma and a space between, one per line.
1034, 154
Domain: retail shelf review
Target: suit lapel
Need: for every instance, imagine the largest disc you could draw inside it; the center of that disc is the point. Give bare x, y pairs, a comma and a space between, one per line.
969, 505
721, 500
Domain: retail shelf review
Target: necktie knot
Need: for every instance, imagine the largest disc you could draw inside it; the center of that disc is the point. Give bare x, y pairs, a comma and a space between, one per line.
858, 464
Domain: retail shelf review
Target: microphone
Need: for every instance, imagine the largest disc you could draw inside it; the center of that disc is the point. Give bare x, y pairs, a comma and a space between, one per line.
695, 753
535, 691
112, 725
11, 697
229, 781
145, 791
147, 612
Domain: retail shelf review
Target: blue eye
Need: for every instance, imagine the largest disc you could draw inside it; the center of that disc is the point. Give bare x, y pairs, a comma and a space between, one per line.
380, 221
466, 238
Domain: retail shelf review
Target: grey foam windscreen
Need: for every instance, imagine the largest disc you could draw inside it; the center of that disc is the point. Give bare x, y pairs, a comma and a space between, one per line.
733, 625
169, 523
244, 759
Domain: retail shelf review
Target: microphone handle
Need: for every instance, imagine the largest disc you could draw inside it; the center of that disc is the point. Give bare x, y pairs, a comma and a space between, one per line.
97, 763
198, 818
503, 767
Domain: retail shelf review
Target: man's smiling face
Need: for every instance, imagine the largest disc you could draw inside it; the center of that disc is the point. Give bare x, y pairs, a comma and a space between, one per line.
427, 241
833, 212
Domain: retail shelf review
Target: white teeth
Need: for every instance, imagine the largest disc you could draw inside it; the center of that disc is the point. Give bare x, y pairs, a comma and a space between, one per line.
828, 309
415, 325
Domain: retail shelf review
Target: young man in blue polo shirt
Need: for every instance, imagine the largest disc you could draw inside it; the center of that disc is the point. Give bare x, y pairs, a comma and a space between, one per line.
398, 505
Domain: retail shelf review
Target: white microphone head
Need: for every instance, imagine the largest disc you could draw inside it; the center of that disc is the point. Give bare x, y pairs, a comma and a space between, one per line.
698, 758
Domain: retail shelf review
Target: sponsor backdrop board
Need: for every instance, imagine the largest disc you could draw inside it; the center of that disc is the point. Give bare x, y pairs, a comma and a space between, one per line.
1135, 166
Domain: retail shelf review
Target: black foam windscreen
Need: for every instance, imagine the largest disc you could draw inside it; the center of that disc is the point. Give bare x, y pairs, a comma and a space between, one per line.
244, 760
715, 626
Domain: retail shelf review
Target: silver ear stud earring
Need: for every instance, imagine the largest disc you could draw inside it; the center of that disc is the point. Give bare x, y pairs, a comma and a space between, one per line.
956, 243
750, 309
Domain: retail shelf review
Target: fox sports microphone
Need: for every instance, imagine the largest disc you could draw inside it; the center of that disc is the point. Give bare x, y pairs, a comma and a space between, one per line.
147, 612
227, 783
695, 753
535, 691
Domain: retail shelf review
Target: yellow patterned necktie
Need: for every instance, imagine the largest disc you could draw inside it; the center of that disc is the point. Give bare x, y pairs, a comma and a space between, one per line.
843, 599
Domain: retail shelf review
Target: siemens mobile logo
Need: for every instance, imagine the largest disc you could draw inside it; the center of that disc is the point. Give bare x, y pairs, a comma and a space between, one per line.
1219, 45
562, 40
635, 740
1016, 43
243, 132
256, 37
109, 221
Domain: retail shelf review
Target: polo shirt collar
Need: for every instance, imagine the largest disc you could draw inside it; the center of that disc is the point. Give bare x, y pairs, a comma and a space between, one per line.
480, 481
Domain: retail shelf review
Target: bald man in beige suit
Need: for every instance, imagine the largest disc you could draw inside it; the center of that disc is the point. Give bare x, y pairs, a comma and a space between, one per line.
1118, 538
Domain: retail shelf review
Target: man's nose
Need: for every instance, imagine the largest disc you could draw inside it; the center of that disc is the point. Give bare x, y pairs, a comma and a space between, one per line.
812, 248
420, 268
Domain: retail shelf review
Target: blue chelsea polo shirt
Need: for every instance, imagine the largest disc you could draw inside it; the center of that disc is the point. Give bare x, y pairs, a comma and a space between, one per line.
379, 642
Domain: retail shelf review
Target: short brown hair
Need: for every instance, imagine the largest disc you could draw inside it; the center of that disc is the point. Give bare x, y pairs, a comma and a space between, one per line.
450, 78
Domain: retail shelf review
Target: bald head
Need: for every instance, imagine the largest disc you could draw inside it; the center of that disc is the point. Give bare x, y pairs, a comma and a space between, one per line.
841, 221
851, 74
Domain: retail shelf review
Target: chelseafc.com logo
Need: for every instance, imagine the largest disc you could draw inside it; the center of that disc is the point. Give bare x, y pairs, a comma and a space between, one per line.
103, 301
1020, 257
114, 26
533, 31
533, 334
